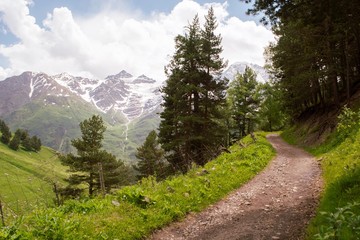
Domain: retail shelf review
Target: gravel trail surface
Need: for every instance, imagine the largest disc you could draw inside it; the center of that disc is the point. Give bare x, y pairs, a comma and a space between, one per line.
277, 204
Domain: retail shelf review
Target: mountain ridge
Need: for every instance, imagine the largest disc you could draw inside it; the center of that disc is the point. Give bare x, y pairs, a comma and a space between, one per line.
52, 106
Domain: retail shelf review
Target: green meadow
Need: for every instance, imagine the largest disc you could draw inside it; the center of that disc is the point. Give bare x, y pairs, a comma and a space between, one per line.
27, 178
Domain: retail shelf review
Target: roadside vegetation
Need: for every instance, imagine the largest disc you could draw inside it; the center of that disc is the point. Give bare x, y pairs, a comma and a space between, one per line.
338, 215
135, 211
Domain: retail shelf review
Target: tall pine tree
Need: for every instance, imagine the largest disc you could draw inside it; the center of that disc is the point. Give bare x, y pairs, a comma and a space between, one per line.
317, 54
190, 129
244, 100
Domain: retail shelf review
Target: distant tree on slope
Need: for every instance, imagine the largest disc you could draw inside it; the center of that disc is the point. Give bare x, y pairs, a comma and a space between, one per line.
14, 144
5, 131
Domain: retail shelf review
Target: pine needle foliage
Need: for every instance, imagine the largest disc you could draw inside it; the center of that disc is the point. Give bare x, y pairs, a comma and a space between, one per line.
191, 123
97, 168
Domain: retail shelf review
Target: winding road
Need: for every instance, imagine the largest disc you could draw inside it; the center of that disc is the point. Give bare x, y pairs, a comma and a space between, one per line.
277, 204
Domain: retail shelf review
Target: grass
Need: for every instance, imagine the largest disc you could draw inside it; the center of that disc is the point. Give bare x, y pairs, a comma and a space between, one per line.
337, 216
134, 212
26, 179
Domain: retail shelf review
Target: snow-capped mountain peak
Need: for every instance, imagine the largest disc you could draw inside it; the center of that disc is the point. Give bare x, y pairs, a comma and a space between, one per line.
121, 75
121, 93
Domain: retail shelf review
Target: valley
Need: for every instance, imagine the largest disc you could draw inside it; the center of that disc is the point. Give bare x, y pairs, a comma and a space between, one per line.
52, 106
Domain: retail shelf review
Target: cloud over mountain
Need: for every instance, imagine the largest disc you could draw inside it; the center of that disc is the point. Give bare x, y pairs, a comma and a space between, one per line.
115, 38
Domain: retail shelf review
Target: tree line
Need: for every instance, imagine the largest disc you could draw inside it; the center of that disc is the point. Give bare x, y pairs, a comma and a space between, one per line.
317, 55
202, 115
202, 112
21, 138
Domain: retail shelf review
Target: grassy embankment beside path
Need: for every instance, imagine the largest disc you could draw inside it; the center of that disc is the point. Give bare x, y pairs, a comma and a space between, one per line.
338, 215
135, 211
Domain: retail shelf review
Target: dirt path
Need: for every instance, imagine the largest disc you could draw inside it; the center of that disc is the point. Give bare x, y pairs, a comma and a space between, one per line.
277, 204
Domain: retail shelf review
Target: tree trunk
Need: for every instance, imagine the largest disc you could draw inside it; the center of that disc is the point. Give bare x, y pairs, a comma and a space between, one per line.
91, 184
347, 69
331, 73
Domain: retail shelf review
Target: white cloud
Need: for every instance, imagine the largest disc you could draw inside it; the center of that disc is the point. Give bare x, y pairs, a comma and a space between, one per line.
116, 39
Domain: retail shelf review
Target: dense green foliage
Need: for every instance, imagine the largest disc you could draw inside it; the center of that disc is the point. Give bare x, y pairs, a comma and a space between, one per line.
192, 126
92, 165
317, 55
5, 132
272, 116
151, 158
244, 101
135, 211
20, 138
338, 216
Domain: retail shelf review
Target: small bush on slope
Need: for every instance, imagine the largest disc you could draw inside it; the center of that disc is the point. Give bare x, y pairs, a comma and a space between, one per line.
135, 211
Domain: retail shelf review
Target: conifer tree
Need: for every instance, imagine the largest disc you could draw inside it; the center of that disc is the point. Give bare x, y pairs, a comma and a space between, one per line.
272, 116
317, 52
91, 164
35, 143
150, 157
14, 144
26, 143
6, 134
244, 100
190, 129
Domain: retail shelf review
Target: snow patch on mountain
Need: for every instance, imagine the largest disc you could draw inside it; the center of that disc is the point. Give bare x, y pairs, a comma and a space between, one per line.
122, 92
78, 85
239, 68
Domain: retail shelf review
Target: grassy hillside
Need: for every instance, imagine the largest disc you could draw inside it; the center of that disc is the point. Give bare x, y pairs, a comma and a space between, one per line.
56, 124
338, 216
26, 179
135, 211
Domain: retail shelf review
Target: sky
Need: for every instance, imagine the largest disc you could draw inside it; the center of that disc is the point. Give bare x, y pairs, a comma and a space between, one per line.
97, 38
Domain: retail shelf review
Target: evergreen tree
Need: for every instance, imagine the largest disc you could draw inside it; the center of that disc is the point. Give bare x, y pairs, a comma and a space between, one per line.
272, 115
14, 144
27, 144
22, 133
35, 143
190, 130
150, 157
115, 172
317, 55
6, 134
244, 100
92, 165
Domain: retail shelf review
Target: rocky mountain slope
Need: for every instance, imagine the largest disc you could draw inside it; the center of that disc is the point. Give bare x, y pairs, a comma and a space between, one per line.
239, 67
52, 107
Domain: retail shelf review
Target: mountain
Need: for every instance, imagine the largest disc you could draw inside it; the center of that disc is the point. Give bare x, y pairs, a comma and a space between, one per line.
52, 107
239, 67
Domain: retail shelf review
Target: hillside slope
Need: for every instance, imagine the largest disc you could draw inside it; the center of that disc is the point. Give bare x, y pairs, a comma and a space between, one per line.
135, 211
26, 179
